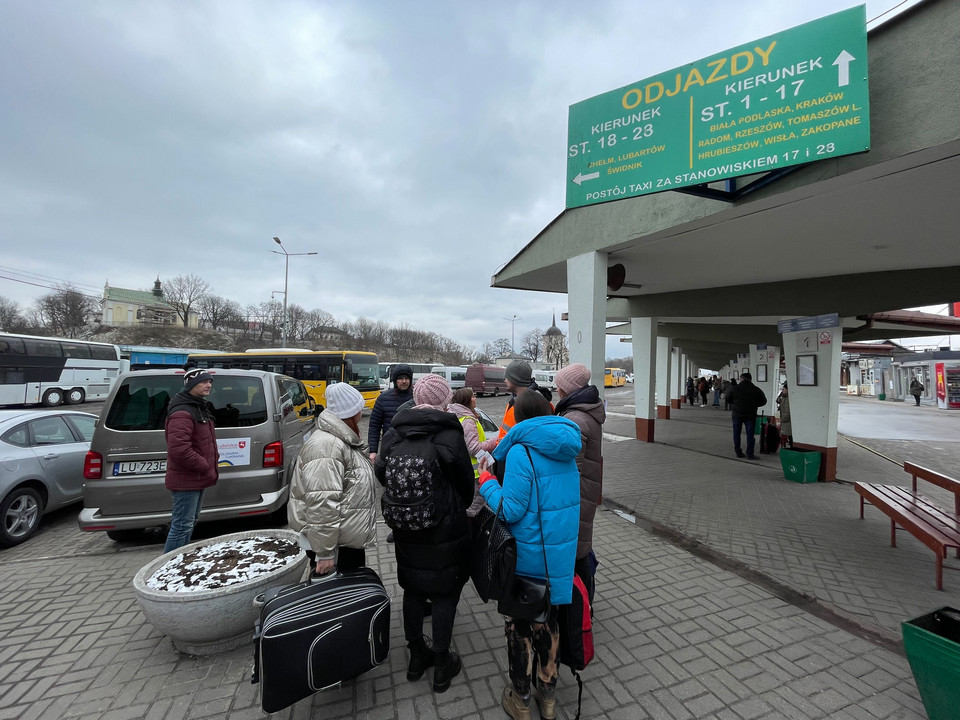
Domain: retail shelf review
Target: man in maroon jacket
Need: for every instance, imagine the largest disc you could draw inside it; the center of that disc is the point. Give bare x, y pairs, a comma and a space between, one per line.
191, 454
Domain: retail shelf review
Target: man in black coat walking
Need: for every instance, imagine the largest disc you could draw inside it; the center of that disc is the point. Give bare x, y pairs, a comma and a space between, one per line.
744, 399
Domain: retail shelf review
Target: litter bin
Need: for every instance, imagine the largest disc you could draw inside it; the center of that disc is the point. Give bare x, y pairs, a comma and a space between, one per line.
800, 466
931, 643
882, 396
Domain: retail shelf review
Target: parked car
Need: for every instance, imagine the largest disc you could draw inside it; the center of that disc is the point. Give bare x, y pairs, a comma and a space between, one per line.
42, 454
262, 421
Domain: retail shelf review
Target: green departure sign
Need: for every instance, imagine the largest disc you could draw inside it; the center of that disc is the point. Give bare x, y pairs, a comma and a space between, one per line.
787, 99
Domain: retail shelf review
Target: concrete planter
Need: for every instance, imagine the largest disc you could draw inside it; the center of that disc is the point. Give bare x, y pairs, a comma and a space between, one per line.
212, 621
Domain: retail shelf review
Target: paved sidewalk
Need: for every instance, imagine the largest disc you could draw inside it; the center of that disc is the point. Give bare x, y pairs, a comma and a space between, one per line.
677, 637
808, 538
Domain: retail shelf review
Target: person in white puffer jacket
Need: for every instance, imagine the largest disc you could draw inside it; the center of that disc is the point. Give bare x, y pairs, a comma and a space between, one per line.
333, 494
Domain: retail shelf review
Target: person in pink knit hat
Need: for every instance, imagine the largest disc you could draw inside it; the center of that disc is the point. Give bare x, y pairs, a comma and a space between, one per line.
581, 403
428, 482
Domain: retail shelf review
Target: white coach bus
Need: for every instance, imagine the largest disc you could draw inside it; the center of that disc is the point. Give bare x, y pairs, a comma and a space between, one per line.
53, 371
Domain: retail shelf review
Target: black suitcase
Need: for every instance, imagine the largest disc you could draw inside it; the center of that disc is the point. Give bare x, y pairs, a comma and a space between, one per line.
769, 438
314, 635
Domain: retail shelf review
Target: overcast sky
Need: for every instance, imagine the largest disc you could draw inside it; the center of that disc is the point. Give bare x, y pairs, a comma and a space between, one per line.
417, 147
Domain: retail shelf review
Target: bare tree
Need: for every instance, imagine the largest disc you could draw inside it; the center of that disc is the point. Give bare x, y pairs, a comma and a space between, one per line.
11, 320
66, 311
184, 293
318, 323
501, 347
531, 344
217, 311
298, 323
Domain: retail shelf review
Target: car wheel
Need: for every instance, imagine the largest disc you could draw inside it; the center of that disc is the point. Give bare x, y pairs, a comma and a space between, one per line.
20, 515
496, 392
76, 396
124, 535
53, 397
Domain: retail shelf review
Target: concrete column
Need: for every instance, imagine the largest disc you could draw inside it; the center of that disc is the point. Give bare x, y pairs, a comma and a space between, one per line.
814, 409
676, 377
587, 307
644, 331
768, 357
684, 374
663, 378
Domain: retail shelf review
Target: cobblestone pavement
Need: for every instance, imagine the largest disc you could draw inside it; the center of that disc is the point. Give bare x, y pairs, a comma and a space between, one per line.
677, 636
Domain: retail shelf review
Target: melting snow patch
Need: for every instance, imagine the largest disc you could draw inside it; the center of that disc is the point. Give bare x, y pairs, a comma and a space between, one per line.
225, 563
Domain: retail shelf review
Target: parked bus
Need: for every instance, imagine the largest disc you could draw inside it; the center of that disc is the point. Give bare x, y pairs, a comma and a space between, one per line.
486, 379
614, 377
315, 369
56, 370
419, 370
456, 376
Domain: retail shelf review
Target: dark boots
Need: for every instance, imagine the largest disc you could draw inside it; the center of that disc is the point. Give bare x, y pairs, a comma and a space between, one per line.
447, 666
421, 657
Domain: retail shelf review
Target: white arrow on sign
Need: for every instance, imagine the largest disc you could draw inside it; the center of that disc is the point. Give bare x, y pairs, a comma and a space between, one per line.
843, 68
581, 177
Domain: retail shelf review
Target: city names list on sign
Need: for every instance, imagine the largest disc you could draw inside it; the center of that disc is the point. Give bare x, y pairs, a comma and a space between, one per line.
787, 99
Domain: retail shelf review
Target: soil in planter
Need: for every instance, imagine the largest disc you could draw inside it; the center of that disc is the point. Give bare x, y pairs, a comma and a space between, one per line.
222, 564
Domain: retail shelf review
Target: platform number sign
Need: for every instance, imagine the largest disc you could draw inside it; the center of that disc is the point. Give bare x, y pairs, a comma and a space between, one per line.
807, 342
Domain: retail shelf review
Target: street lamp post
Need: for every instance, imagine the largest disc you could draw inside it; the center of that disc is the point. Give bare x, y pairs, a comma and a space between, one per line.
513, 322
286, 277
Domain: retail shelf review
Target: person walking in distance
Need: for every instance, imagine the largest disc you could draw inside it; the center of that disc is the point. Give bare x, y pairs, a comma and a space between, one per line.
192, 454
581, 403
333, 498
916, 389
744, 399
425, 469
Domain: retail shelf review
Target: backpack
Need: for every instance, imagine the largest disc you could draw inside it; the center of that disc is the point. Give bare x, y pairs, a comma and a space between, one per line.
576, 634
417, 496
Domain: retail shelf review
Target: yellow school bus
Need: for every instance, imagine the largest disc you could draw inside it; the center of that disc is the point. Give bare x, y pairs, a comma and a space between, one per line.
314, 368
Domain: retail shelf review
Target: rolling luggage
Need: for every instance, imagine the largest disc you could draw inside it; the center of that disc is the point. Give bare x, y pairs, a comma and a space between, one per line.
769, 438
316, 634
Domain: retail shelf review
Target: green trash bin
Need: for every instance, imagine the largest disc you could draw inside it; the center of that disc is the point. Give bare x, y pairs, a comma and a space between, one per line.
931, 643
882, 396
761, 421
802, 466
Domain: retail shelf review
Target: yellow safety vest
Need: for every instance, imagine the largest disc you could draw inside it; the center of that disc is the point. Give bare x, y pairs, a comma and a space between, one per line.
482, 437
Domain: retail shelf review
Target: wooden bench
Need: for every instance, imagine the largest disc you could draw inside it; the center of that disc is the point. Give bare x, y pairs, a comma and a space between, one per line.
934, 526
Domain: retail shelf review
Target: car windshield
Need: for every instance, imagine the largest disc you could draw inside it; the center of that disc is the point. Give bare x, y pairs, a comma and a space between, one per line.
141, 402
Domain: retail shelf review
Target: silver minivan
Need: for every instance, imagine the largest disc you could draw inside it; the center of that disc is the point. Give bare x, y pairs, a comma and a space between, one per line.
262, 421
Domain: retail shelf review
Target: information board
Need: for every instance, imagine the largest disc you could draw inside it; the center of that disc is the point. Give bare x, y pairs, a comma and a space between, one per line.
786, 99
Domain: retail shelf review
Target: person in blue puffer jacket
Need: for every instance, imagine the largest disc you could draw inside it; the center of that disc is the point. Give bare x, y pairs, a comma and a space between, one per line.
554, 443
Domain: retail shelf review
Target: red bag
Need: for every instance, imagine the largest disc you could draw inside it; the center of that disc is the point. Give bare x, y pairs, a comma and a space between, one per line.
576, 634
576, 628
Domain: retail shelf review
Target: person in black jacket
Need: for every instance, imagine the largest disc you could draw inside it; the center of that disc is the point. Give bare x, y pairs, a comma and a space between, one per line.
744, 399
387, 404
425, 467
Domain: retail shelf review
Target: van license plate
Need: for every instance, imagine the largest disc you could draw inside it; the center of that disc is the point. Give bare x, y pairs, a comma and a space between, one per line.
140, 467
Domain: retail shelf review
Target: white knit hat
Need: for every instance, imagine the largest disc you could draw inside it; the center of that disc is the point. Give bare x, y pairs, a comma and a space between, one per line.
343, 400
